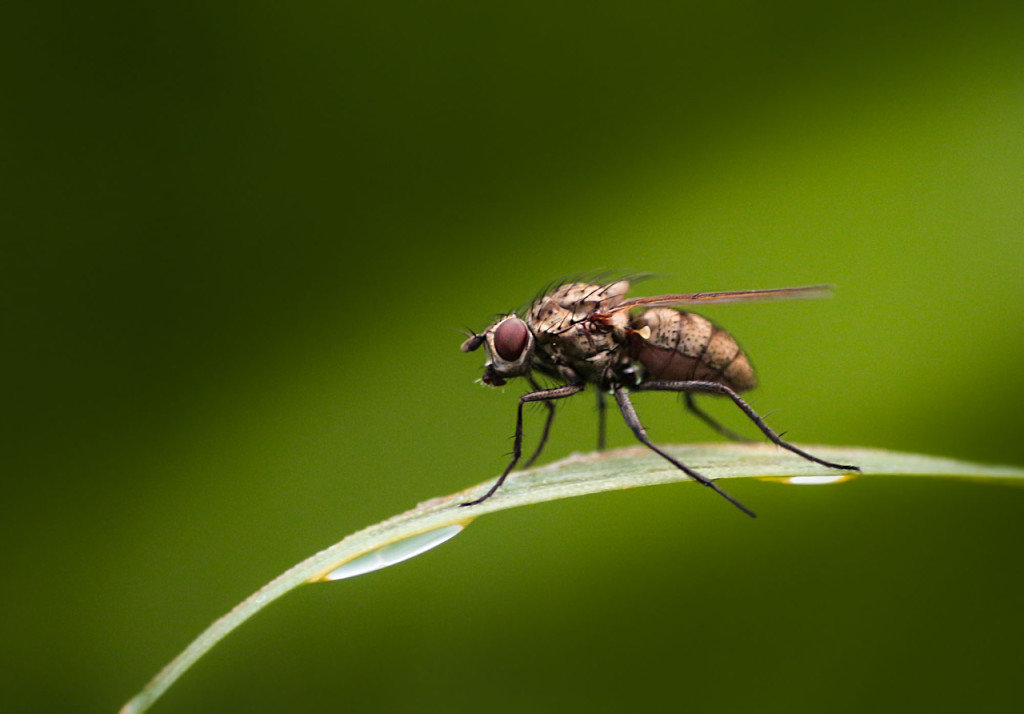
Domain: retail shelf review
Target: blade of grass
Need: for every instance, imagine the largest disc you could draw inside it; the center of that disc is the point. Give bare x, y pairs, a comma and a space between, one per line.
576, 475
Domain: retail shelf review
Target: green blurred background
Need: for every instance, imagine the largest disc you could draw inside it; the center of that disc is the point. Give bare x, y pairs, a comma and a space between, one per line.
239, 238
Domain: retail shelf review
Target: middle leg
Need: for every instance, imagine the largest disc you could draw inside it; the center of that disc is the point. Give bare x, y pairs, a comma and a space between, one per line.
629, 414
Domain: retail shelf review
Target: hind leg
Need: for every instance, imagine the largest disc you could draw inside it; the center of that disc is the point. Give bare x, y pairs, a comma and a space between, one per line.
716, 388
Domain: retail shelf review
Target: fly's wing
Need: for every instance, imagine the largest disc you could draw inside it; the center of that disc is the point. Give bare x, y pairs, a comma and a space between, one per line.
802, 293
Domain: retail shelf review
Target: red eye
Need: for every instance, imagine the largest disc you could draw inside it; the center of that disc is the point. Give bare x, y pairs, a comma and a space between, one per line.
510, 339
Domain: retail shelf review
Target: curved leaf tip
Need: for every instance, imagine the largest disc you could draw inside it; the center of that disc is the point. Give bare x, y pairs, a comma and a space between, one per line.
434, 521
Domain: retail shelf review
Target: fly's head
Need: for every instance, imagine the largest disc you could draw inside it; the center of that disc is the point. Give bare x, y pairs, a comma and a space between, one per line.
510, 346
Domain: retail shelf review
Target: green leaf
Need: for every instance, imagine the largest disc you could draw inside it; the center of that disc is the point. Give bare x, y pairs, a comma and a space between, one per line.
434, 521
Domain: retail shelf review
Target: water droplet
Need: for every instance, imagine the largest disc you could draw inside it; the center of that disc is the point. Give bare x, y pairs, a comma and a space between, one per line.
816, 480
394, 552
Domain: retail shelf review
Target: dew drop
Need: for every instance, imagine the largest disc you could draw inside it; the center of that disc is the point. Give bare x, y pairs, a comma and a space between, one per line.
816, 480
394, 552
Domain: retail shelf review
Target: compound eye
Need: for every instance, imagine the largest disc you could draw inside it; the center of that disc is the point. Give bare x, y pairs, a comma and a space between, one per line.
510, 339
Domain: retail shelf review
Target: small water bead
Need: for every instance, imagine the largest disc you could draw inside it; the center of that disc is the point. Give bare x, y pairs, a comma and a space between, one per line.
394, 552
816, 480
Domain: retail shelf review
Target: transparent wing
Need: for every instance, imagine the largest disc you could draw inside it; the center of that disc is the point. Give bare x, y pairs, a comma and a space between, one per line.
801, 293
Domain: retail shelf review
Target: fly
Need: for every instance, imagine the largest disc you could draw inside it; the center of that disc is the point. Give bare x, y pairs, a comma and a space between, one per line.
580, 334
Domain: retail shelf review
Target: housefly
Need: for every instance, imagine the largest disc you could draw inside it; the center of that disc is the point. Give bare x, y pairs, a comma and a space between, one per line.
580, 334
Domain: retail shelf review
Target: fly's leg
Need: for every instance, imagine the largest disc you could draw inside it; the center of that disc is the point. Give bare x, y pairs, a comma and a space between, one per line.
629, 414
716, 388
725, 431
547, 426
601, 420
541, 395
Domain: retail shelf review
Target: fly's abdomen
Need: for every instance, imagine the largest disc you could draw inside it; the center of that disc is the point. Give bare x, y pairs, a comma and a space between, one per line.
684, 346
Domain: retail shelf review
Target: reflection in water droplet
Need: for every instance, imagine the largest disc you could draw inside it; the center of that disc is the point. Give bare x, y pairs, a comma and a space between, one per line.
394, 552
817, 480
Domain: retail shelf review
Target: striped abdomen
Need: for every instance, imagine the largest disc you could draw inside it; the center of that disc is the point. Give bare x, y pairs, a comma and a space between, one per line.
684, 346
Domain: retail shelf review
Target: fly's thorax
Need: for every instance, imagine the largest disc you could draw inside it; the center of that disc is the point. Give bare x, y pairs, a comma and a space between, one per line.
570, 340
565, 311
588, 349
681, 346
581, 299
572, 303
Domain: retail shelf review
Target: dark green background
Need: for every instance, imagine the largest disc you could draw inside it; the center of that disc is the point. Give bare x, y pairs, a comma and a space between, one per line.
238, 239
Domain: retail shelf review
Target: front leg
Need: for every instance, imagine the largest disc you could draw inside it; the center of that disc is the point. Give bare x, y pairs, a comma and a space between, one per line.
541, 395
547, 426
